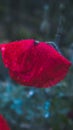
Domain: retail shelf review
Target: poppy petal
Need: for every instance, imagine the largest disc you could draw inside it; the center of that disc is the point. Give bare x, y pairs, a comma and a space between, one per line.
38, 65
3, 124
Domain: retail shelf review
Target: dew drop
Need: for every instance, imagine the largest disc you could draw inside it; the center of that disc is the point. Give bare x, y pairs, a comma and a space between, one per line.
3, 48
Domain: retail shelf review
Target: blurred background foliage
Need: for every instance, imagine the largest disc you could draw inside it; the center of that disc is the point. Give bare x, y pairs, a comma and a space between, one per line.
28, 108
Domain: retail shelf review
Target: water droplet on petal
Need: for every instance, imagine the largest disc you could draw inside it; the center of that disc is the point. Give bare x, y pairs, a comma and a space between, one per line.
3, 48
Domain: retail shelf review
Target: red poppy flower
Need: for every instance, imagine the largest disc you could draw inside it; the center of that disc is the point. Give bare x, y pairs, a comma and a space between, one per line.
3, 124
30, 64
